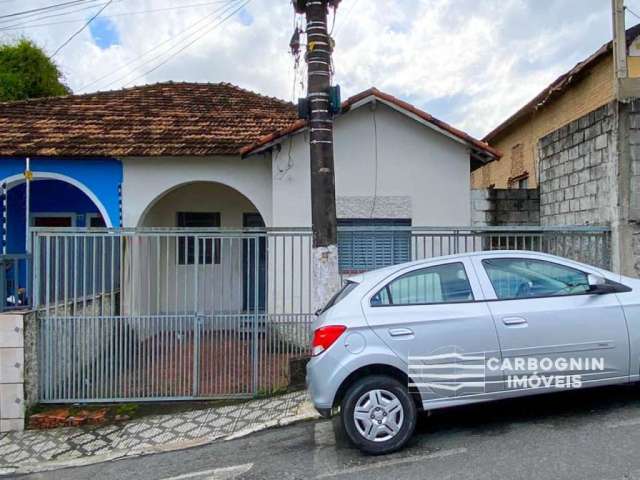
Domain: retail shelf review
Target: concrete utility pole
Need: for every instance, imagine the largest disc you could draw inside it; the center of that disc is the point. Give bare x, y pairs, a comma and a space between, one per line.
619, 40
326, 280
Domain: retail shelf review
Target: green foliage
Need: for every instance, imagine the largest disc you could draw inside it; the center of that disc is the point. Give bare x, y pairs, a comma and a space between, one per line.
27, 72
129, 409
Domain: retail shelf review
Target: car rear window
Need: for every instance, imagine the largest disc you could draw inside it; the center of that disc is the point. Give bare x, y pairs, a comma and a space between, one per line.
346, 289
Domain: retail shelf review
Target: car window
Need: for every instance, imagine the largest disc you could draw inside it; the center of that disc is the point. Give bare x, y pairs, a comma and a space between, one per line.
514, 278
440, 284
346, 289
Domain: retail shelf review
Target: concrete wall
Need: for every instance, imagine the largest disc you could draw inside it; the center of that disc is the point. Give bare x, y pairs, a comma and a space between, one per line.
12, 400
147, 180
419, 173
578, 168
495, 207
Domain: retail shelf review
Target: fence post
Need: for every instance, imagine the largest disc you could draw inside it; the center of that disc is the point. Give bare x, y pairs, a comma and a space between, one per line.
256, 298
196, 316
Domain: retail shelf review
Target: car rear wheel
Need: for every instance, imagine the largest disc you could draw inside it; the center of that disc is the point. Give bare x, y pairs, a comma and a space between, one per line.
378, 415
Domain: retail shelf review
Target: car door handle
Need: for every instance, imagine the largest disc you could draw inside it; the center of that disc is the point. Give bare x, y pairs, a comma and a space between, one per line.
400, 332
512, 321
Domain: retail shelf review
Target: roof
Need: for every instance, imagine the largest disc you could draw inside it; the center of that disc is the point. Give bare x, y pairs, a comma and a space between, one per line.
478, 146
161, 119
561, 84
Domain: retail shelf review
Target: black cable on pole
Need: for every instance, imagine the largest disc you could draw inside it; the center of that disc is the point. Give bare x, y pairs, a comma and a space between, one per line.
81, 29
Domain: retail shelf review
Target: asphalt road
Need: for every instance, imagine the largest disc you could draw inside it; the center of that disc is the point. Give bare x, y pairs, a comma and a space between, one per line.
576, 435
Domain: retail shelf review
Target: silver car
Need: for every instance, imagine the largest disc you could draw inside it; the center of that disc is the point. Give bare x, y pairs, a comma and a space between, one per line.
467, 328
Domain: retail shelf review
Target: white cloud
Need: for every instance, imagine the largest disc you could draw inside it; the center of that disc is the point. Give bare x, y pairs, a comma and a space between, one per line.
470, 62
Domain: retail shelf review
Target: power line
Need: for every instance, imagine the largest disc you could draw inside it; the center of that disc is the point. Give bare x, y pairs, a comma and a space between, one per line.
345, 18
65, 10
632, 12
50, 7
214, 14
190, 43
64, 44
113, 15
37, 17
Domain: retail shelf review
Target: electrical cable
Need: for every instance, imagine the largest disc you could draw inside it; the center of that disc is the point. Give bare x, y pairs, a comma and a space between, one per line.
139, 58
113, 15
77, 32
182, 49
50, 7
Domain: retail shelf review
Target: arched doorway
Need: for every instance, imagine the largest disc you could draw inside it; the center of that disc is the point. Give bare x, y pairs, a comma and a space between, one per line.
228, 272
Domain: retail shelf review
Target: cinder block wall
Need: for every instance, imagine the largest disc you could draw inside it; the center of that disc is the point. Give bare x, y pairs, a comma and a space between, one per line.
12, 404
577, 170
496, 207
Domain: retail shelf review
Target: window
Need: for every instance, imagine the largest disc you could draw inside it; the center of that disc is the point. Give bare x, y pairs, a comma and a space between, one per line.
523, 182
209, 248
514, 278
387, 243
95, 220
346, 289
52, 220
441, 284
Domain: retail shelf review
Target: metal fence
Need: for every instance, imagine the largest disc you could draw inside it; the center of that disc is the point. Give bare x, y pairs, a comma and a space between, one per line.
131, 314
120, 358
15, 280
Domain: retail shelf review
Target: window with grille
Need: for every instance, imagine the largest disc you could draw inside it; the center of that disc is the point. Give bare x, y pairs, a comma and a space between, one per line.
209, 249
375, 244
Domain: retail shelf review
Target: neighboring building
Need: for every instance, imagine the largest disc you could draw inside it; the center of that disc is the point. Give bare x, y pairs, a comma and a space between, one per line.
587, 86
216, 155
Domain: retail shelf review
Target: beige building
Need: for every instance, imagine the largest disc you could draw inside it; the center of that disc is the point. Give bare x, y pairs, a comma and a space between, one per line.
587, 86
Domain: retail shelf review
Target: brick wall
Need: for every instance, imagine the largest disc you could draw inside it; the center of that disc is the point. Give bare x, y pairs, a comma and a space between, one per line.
495, 207
577, 169
583, 96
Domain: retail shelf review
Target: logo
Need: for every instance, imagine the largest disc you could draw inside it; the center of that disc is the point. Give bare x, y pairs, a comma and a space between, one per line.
448, 372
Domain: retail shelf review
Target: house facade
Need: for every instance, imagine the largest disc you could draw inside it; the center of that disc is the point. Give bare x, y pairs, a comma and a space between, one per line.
583, 89
201, 156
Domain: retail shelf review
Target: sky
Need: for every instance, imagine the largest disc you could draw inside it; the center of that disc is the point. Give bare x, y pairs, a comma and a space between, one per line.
471, 63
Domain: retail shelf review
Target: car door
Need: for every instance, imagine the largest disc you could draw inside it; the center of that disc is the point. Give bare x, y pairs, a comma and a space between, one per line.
550, 326
434, 317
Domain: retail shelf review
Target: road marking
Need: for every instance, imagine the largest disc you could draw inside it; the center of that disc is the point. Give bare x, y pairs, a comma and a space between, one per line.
217, 473
397, 461
624, 423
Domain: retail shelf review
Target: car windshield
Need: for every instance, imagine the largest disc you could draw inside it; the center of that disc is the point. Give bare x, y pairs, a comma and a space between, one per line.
346, 289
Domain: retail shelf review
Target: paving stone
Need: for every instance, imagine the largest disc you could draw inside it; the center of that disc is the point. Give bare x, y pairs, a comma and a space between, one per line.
32, 447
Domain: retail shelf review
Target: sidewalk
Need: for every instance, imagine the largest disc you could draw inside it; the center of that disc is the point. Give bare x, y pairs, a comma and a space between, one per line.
38, 450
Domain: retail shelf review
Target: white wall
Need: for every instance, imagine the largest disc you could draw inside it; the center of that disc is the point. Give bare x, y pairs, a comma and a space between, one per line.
147, 179
420, 172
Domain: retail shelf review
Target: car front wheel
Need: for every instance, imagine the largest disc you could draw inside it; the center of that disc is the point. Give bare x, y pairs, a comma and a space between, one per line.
378, 415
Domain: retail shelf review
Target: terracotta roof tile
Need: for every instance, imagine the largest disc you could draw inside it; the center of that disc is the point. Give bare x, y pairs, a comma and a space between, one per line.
163, 119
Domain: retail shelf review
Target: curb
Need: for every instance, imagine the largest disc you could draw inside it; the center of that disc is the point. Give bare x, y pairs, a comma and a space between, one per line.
305, 412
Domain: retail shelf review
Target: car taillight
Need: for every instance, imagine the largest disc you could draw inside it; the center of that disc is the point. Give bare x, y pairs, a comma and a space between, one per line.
324, 337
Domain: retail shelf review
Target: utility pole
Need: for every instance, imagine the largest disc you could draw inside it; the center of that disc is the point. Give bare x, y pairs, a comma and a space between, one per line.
619, 41
326, 279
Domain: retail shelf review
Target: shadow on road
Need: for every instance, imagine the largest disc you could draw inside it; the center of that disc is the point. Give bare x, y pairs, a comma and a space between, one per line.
562, 409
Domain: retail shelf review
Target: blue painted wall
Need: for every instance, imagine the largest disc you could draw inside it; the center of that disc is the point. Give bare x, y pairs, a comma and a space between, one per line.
102, 176
46, 196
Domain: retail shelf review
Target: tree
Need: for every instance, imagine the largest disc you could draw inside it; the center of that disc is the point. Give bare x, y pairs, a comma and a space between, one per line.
27, 72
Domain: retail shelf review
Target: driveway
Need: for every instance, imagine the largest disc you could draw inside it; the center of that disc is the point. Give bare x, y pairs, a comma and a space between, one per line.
574, 435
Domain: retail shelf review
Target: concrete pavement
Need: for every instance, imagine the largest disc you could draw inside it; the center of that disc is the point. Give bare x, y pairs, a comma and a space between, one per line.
574, 435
